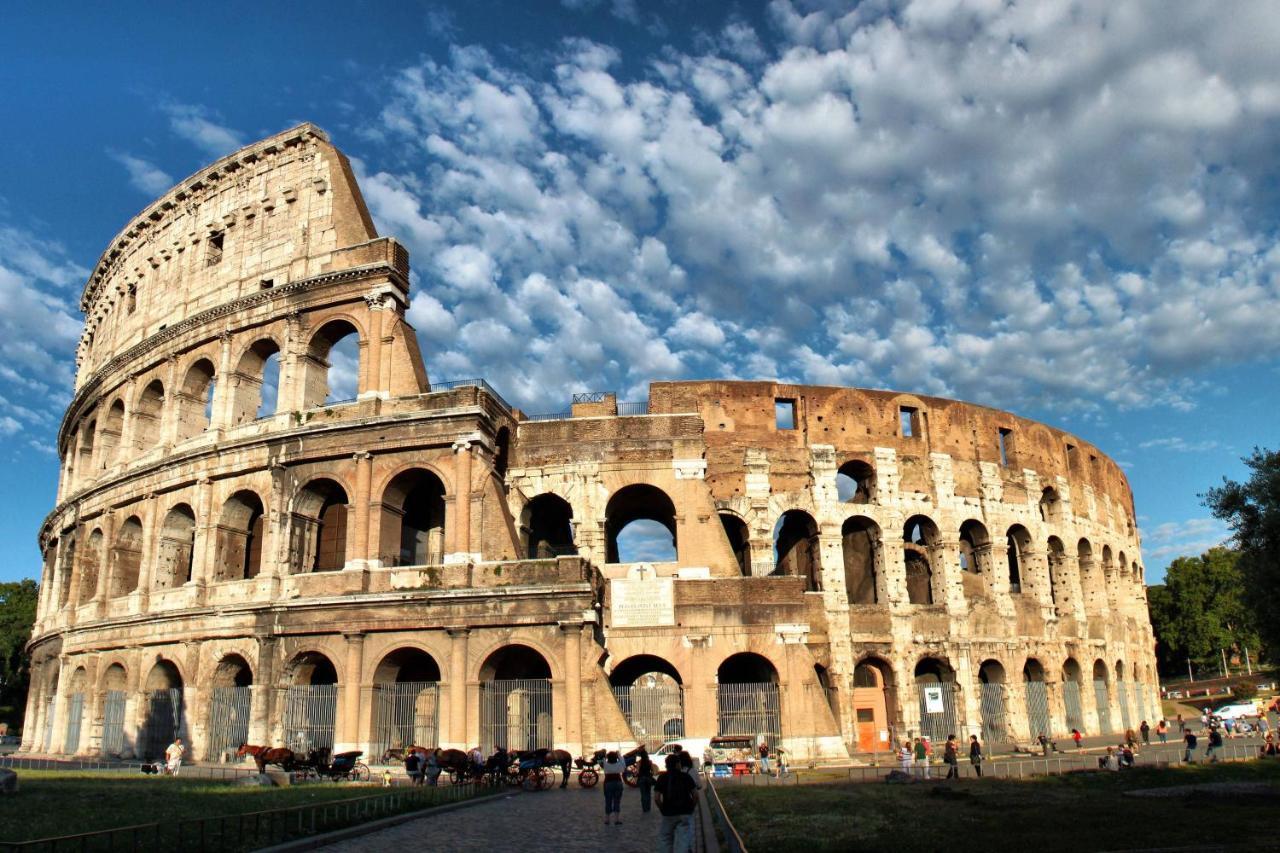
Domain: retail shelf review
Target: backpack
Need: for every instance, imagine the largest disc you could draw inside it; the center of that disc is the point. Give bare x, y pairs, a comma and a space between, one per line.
677, 794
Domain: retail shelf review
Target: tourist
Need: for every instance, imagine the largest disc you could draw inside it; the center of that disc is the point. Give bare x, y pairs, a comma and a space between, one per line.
906, 758
644, 779
1043, 740
433, 767
1264, 725
1189, 745
413, 767
780, 759
1146, 733
1078, 739
173, 757
477, 761
1126, 756
950, 758
975, 754
1130, 737
1182, 725
1215, 743
922, 757
1268, 749
677, 798
1162, 730
1110, 762
764, 757
613, 767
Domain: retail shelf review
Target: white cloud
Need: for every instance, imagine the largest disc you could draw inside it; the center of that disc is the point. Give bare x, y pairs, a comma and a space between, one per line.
144, 176
1188, 538
199, 126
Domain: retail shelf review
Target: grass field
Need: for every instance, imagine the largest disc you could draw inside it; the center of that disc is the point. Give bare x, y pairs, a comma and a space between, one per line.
51, 803
1077, 811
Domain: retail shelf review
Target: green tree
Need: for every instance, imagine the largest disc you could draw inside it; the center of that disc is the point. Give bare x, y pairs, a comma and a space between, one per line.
17, 613
1200, 608
1252, 510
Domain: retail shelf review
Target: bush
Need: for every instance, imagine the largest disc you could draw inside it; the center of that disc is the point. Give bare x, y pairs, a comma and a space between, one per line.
1244, 689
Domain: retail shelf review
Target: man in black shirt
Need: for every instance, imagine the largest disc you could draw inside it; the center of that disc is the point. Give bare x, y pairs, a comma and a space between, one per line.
677, 796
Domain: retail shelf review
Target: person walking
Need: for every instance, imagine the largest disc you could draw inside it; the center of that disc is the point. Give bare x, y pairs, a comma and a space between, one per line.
413, 767
950, 758
644, 779
676, 797
1162, 730
975, 754
922, 758
173, 757
1182, 725
433, 767
906, 758
1146, 733
1078, 739
1189, 746
764, 758
1215, 743
613, 767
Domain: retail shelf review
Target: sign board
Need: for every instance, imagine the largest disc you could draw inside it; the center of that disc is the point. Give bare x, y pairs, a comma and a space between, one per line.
642, 602
933, 700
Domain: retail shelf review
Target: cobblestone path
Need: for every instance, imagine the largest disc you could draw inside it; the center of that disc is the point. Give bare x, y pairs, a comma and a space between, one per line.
569, 820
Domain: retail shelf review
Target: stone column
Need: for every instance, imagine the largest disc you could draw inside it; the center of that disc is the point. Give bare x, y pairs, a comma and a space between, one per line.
456, 734
364, 556
701, 711
348, 734
205, 539
948, 585
572, 634
169, 415
58, 737
460, 546
893, 569
371, 362
220, 418
262, 695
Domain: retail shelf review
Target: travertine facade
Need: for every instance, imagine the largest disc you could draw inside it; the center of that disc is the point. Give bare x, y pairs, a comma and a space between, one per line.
425, 563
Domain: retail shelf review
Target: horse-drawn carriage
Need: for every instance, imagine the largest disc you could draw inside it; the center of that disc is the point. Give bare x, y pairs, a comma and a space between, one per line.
316, 763
589, 768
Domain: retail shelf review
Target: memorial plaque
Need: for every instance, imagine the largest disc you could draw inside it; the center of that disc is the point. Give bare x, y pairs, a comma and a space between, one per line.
642, 602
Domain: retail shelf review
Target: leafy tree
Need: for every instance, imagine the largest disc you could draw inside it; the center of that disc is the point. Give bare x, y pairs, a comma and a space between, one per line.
1252, 511
1244, 689
1200, 608
17, 613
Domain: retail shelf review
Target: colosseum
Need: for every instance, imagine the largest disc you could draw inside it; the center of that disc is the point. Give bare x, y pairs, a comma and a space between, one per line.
236, 555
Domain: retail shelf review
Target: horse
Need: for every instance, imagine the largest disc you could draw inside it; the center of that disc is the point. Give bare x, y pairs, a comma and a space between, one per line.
264, 755
557, 757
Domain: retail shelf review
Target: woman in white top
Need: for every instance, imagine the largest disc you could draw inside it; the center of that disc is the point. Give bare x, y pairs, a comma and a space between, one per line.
613, 767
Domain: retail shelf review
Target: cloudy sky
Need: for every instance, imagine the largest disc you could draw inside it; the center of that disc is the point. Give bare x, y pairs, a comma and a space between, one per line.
1066, 209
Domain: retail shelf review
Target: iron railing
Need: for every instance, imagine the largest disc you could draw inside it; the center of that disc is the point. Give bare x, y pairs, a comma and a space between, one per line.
477, 383
1037, 694
228, 721
1071, 699
515, 713
936, 725
751, 708
113, 713
995, 725
550, 416
75, 722
590, 397
626, 410
309, 714
655, 712
406, 713
165, 720
728, 832
1103, 705
198, 771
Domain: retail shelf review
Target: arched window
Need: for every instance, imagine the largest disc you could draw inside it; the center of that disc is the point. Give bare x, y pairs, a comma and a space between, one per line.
1017, 545
127, 558
991, 678
747, 698
406, 701
112, 429
1059, 590
860, 546
515, 700
413, 520
195, 401
1072, 679
735, 530
1050, 506
90, 561
256, 382
919, 539
332, 371
640, 526
548, 528
147, 416
176, 553
650, 695
856, 482
88, 434
795, 548
311, 702
240, 532
319, 528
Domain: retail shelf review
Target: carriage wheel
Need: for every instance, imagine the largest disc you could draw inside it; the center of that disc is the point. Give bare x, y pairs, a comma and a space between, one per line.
588, 778
548, 779
456, 777
360, 772
531, 781
629, 776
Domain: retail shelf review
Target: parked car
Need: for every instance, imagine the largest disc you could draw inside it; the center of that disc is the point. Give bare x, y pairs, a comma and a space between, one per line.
1237, 711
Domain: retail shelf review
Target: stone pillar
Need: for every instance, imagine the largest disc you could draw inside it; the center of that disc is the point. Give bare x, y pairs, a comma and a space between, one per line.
460, 546
169, 416
948, 585
371, 363
262, 695
347, 736
572, 634
456, 735
701, 713
205, 539
220, 417
894, 570
58, 737
364, 552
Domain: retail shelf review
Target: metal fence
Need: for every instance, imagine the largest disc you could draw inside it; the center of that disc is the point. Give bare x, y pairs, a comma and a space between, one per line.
1071, 699
515, 713
309, 714
1037, 709
75, 721
1122, 698
633, 409
995, 724
229, 709
936, 725
1103, 705
164, 721
406, 713
750, 708
655, 712
113, 707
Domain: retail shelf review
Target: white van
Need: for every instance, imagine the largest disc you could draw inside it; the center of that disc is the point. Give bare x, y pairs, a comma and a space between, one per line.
1237, 711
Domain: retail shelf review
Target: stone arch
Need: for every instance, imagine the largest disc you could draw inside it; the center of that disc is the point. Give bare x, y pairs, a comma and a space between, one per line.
739, 537
546, 527
254, 395
975, 558
318, 530
412, 525
1073, 694
748, 698
1050, 506
515, 661
176, 552
406, 700
110, 433
1036, 693
746, 668
163, 711
240, 533
126, 558
67, 561
230, 703
1101, 694
232, 670
1107, 566
515, 698
629, 670
75, 716
115, 676
937, 693
406, 664
796, 550
318, 384
860, 547
920, 540
148, 416
91, 558
873, 701
1059, 588
84, 447
311, 701
856, 482
991, 701
650, 694
652, 507
1017, 547
195, 399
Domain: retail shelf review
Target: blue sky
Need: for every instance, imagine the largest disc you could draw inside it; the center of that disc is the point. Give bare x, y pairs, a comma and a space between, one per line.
1066, 210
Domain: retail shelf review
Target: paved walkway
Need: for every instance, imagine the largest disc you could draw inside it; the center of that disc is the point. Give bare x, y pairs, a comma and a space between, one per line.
568, 820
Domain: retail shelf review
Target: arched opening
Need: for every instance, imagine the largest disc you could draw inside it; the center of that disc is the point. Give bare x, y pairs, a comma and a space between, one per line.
1050, 506
256, 382
548, 528
88, 434
1072, 677
651, 697
66, 570
126, 558
50, 708
90, 563
75, 711
515, 700
795, 548
975, 558
936, 689
114, 707
1017, 546
991, 699
147, 416
331, 372
747, 698
640, 526
1101, 697
311, 703
406, 701
872, 683
1122, 698
413, 520
318, 539
109, 435
501, 452
1059, 589
920, 539
240, 531
164, 716
229, 705
1036, 692
735, 530
860, 547
856, 482
195, 400
176, 551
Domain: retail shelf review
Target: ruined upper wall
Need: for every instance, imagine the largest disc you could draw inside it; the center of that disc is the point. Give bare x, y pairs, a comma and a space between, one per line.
273, 212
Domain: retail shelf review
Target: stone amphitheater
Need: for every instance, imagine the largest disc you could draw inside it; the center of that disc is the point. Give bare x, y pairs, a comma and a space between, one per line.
235, 555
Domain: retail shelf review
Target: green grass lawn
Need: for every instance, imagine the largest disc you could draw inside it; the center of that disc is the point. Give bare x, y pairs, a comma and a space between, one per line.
1077, 811
51, 803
